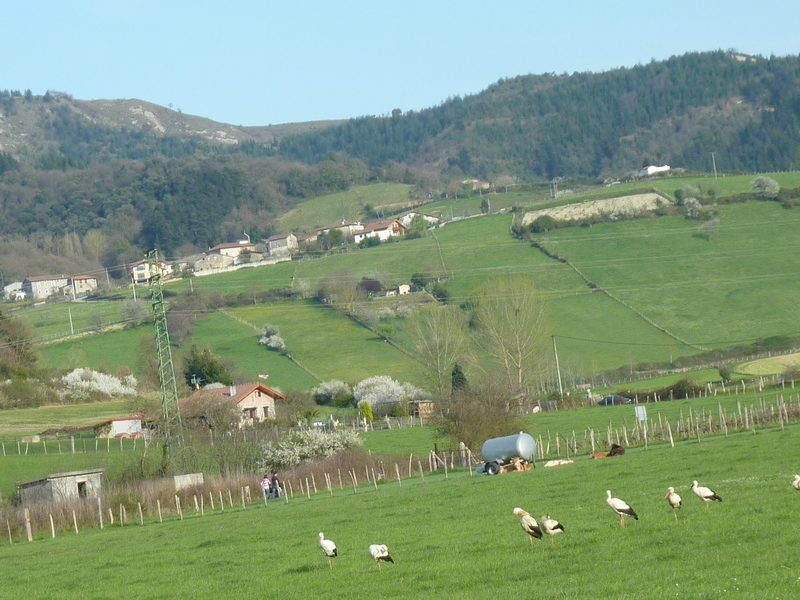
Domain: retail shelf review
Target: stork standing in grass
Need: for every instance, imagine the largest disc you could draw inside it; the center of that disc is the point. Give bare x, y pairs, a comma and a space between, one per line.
674, 501
379, 552
529, 524
328, 548
620, 507
551, 527
705, 494
796, 483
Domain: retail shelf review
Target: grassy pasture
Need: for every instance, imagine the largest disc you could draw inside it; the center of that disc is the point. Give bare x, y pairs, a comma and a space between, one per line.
332, 345
457, 538
230, 339
29, 421
324, 210
774, 365
53, 320
113, 349
734, 289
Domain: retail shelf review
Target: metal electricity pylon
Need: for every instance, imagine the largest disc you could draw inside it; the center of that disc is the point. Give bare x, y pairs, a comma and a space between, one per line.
172, 426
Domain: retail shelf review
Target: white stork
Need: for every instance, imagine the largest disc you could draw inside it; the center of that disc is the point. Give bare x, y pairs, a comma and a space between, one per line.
705, 494
796, 483
621, 508
551, 527
674, 501
328, 548
379, 552
529, 524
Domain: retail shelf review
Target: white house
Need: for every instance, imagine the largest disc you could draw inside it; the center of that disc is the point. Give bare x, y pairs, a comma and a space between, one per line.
430, 220
13, 291
140, 270
233, 249
398, 290
254, 402
383, 230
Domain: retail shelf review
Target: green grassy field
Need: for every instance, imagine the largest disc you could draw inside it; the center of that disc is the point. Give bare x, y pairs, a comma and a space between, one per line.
733, 289
457, 538
324, 210
328, 342
113, 350
231, 339
30, 421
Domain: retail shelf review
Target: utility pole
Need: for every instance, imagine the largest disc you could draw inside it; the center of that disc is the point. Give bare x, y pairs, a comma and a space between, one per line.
173, 426
558, 369
714, 162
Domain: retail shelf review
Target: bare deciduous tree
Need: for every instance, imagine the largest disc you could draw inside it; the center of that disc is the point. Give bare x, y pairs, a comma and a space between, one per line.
510, 316
440, 338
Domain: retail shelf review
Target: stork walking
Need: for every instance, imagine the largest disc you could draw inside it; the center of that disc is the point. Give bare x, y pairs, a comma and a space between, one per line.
796, 483
551, 527
328, 548
674, 501
705, 494
528, 524
620, 507
380, 553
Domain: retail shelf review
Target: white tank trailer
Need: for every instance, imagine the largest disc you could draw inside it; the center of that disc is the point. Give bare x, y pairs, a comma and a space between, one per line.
500, 451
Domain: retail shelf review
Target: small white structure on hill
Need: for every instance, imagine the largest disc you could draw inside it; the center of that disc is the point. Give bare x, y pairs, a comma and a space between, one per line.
651, 170
62, 487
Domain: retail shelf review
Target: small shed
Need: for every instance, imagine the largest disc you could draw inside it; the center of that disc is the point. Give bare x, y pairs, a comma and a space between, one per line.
62, 487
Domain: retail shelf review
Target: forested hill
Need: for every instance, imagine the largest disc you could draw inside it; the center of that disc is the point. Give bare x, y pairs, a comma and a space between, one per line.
134, 175
678, 111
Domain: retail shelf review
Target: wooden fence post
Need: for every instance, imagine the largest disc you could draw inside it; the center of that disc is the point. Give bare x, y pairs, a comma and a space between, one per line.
52, 526
75, 521
100, 512
158, 505
28, 525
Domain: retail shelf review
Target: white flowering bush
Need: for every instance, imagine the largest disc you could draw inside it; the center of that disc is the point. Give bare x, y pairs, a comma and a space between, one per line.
273, 342
270, 337
306, 445
327, 391
87, 381
383, 392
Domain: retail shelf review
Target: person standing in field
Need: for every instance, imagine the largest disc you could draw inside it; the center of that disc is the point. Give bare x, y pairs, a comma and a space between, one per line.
275, 488
266, 486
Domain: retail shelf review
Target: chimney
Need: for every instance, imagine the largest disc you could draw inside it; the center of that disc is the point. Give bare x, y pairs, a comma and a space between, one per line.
233, 391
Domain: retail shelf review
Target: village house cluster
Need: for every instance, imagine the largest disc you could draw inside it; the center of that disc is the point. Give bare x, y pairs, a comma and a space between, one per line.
220, 258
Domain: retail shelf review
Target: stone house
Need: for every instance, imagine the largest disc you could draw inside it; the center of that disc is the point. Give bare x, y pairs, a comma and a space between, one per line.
39, 288
279, 245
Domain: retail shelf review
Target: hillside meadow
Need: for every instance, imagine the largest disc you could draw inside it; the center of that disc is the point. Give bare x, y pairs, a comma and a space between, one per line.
733, 289
457, 537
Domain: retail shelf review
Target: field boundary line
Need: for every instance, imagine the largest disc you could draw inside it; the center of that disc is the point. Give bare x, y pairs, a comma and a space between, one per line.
593, 286
257, 330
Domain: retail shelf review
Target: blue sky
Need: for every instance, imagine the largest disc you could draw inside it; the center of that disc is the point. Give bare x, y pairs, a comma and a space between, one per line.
264, 62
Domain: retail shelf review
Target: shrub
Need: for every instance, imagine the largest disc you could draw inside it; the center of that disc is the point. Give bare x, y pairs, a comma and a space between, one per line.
304, 446
329, 391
